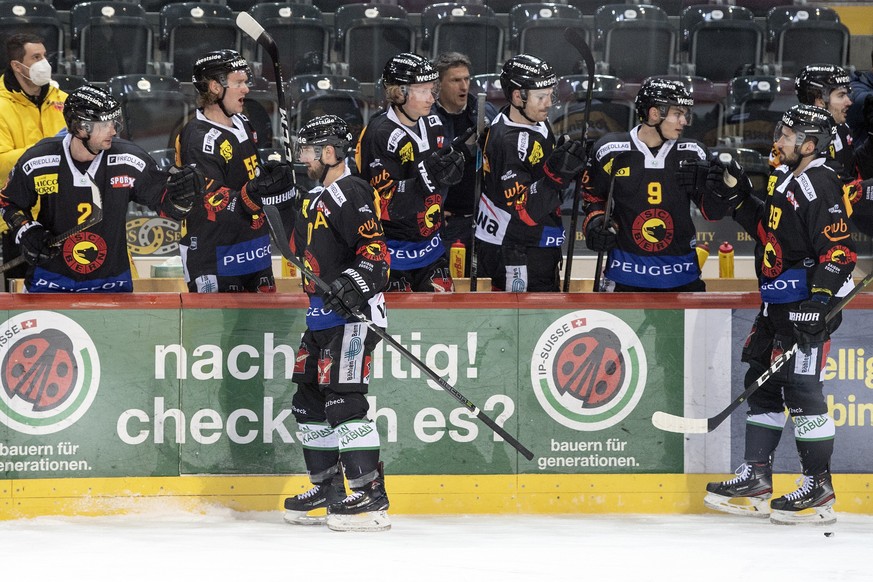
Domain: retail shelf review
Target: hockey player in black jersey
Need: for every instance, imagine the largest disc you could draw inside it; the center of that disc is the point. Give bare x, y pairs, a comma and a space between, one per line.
227, 244
58, 172
804, 258
519, 223
654, 175
338, 234
404, 155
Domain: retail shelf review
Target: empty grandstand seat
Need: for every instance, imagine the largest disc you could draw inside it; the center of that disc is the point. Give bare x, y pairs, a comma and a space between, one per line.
153, 106
612, 107
753, 107
708, 112
638, 40
312, 95
490, 85
67, 83
99, 29
40, 18
191, 29
367, 35
471, 29
261, 107
538, 29
722, 42
300, 33
800, 35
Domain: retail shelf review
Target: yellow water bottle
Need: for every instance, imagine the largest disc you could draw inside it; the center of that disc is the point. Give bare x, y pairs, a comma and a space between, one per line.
726, 260
289, 270
457, 259
702, 254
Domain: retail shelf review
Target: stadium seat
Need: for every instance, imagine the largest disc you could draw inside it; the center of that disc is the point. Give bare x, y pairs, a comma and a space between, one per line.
40, 18
99, 28
165, 158
261, 107
300, 33
154, 109
753, 107
191, 29
538, 29
800, 35
721, 42
490, 85
67, 83
708, 112
471, 29
367, 35
638, 40
312, 95
612, 107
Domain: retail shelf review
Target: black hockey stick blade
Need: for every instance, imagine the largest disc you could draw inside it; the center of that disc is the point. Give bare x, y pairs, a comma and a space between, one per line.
673, 423
95, 217
281, 240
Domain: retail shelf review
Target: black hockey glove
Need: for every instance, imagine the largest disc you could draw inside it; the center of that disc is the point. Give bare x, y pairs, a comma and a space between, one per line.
809, 320
565, 163
727, 180
184, 186
346, 293
691, 175
445, 167
272, 180
599, 236
36, 244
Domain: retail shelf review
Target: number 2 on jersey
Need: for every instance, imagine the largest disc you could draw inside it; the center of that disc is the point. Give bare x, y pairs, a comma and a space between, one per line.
84, 210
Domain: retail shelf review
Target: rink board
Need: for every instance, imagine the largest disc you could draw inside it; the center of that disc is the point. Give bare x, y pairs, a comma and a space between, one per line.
113, 402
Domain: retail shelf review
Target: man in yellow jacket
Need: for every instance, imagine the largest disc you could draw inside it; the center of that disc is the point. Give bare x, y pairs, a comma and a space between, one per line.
31, 108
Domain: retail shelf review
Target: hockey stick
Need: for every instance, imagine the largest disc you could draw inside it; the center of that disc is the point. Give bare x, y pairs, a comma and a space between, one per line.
251, 27
672, 423
281, 240
575, 39
477, 187
607, 217
95, 217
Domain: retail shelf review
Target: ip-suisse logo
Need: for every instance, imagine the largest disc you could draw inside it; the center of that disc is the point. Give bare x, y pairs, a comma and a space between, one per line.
588, 370
49, 370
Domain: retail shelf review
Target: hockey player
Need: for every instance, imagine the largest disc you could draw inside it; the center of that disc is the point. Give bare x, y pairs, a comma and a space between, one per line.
404, 155
654, 175
227, 245
804, 257
340, 238
58, 172
519, 224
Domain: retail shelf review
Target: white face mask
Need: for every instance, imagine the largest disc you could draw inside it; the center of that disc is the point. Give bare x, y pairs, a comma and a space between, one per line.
40, 73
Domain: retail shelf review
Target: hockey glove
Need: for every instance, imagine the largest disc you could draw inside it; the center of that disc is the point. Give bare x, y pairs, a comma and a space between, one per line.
600, 236
727, 180
691, 175
445, 167
184, 186
565, 163
36, 244
809, 320
273, 179
346, 293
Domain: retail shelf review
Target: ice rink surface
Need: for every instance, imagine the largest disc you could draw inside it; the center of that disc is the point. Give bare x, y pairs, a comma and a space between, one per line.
219, 545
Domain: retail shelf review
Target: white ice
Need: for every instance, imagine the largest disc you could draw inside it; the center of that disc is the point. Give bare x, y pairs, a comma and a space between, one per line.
218, 545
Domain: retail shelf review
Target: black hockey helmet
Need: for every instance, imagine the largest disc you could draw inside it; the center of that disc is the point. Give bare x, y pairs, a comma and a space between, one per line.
408, 69
88, 104
217, 65
326, 130
818, 81
526, 72
661, 93
809, 122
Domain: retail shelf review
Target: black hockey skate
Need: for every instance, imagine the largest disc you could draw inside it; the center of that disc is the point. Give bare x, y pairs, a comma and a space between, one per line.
746, 494
298, 507
811, 503
364, 510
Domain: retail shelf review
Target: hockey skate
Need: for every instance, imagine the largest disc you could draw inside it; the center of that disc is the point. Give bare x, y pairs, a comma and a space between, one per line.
364, 510
746, 494
298, 507
811, 503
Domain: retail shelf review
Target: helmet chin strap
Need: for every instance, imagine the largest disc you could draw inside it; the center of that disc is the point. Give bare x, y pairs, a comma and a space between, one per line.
85, 141
521, 109
399, 106
327, 167
221, 102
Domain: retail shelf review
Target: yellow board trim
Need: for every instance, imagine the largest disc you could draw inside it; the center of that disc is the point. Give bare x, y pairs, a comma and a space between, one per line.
410, 494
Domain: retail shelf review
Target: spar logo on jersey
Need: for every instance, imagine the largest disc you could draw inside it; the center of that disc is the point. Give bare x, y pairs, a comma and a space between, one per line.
50, 373
46, 184
84, 252
153, 236
771, 262
429, 220
588, 370
653, 230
